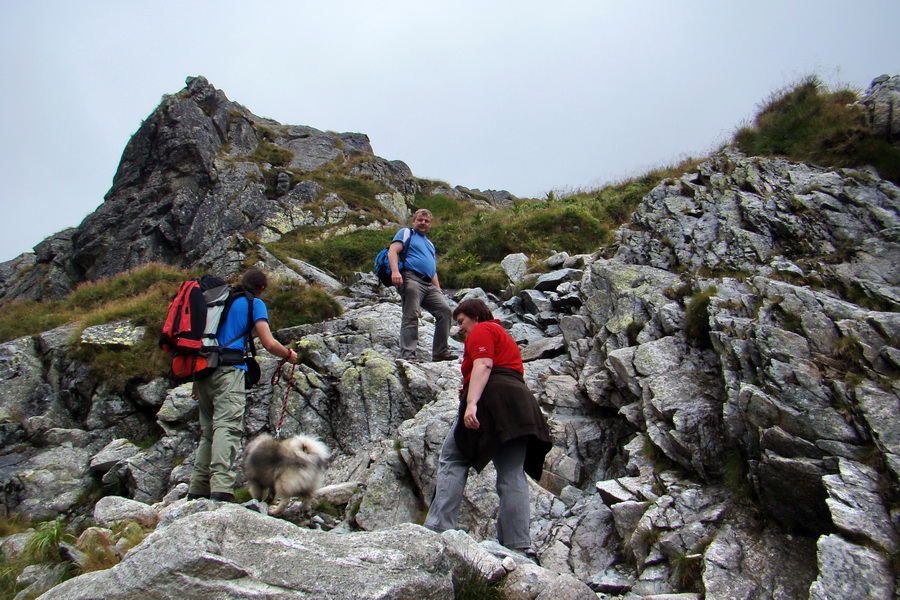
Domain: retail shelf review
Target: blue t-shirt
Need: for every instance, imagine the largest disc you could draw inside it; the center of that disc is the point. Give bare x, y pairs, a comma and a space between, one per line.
235, 323
420, 257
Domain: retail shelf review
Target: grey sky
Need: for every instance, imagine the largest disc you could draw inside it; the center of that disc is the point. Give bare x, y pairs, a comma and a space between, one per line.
519, 95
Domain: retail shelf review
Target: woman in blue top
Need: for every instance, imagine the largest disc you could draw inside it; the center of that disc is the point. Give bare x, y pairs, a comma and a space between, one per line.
221, 396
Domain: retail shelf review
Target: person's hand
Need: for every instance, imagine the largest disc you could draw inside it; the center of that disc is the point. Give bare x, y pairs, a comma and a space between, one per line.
397, 279
469, 419
291, 357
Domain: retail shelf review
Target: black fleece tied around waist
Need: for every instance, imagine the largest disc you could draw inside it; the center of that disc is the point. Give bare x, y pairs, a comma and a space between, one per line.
507, 410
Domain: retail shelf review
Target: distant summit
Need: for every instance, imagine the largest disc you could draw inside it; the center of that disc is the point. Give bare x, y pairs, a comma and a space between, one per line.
204, 178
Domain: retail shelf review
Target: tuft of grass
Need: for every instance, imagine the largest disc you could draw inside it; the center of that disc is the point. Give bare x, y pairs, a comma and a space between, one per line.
581, 222
329, 509
10, 569
687, 570
471, 584
44, 544
696, 317
135, 294
291, 304
474, 586
242, 495
98, 548
117, 367
446, 209
808, 123
678, 293
20, 318
133, 533
14, 523
489, 277
267, 152
125, 286
340, 255
849, 349
736, 474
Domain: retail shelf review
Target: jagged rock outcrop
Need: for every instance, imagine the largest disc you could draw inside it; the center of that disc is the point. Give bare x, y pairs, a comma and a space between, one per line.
721, 388
202, 181
882, 103
192, 183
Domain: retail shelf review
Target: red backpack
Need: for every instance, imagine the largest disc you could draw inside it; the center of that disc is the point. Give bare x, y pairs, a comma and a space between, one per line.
192, 320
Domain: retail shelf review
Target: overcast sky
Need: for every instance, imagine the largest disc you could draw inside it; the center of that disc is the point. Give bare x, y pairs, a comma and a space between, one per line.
518, 95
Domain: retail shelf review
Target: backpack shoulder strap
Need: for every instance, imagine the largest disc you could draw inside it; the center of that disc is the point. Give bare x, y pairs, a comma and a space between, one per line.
250, 322
234, 295
407, 238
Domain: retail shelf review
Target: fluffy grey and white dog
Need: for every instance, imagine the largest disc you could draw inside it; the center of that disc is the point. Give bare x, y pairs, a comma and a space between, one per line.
284, 468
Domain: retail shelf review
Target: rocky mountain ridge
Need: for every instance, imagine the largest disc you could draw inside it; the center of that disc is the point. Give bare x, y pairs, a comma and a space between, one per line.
203, 179
721, 386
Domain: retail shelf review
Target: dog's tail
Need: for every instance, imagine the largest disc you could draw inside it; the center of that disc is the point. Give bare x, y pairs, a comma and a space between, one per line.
314, 447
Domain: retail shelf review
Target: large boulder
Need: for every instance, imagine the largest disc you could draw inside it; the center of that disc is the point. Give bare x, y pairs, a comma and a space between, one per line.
239, 553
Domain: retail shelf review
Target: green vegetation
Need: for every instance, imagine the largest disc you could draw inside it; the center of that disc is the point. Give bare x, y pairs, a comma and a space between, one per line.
472, 242
98, 548
27, 317
242, 495
805, 122
341, 255
474, 586
292, 303
44, 544
696, 317
736, 474
470, 583
687, 571
326, 507
267, 152
128, 285
11, 524
808, 123
142, 296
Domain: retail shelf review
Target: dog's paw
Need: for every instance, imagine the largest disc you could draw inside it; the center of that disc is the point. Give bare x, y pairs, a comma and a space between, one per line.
283, 504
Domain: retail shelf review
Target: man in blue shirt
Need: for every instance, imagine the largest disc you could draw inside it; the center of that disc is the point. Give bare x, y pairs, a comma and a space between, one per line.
419, 287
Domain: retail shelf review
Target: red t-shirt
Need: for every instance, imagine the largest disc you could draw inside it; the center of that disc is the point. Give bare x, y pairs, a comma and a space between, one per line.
488, 339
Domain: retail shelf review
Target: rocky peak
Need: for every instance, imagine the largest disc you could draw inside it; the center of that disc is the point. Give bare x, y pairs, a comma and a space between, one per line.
200, 174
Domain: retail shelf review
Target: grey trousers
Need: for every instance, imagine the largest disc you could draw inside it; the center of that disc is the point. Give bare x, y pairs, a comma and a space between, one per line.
418, 294
221, 405
514, 515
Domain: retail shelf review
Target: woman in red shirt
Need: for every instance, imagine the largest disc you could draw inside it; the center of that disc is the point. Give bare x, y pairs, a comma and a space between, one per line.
499, 420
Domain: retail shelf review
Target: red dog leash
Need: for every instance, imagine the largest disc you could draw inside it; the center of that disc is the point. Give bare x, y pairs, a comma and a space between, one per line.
276, 378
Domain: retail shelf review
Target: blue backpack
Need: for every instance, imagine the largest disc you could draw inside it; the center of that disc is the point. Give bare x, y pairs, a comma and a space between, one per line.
383, 267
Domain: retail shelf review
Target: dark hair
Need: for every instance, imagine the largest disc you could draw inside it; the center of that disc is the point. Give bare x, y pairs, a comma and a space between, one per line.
253, 281
474, 309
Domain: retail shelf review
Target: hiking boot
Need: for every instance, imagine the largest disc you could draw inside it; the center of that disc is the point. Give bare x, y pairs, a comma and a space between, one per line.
222, 496
443, 357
